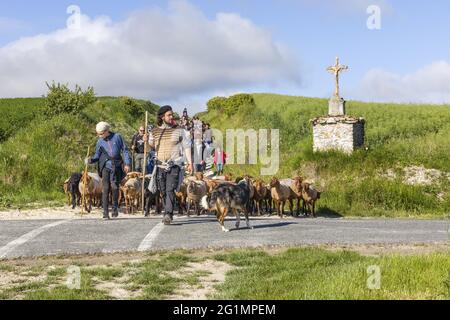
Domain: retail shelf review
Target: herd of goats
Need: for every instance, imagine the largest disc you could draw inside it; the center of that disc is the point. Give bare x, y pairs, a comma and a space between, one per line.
262, 197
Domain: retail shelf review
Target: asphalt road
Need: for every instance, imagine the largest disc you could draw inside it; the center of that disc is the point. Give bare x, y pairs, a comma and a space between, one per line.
77, 236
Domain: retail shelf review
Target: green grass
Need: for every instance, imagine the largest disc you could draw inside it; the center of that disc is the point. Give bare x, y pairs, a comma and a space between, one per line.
319, 274
292, 273
397, 136
40, 153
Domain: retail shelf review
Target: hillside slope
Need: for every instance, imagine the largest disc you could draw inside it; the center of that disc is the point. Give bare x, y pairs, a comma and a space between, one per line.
39, 153
403, 142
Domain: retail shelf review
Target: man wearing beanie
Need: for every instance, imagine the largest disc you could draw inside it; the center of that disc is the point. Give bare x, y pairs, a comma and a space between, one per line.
173, 147
108, 154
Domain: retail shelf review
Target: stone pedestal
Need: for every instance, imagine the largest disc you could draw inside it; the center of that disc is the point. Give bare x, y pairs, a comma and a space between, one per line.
336, 107
342, 133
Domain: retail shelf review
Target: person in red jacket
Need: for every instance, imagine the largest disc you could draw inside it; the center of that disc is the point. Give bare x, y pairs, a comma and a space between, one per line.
220, 158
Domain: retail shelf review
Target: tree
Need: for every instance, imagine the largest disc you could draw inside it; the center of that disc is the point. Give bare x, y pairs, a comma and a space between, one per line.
60, 99
216, 103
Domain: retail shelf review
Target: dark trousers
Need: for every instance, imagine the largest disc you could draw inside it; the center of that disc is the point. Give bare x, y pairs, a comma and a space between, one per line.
138, 162
110, 183
167, 185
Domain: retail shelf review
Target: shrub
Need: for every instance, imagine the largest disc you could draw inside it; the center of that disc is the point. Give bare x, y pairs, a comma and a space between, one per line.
240, 101
217, 103
60, 99
232, 104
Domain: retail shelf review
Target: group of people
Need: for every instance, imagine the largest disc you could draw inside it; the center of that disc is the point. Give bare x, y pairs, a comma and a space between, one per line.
172, 149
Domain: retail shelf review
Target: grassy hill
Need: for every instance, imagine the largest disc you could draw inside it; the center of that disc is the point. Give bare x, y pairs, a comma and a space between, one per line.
38, 153
398, 137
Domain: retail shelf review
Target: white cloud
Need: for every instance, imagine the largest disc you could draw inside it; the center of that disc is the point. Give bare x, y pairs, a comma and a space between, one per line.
153, 54
430, 84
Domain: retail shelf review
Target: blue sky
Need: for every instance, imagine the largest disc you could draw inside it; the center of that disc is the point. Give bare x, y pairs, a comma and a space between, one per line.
406, 60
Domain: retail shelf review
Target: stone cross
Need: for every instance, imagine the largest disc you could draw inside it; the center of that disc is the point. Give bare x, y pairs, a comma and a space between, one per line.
336, 69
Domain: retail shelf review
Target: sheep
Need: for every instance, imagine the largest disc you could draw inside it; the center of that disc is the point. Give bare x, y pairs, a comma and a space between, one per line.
280, 194
310, 196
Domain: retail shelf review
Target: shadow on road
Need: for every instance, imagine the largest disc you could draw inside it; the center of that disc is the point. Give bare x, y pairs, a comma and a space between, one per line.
326, 212
273, 225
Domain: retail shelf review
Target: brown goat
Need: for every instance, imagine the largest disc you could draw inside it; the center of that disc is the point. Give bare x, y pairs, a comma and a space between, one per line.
310, 196
280, 194
260, 194
296, 188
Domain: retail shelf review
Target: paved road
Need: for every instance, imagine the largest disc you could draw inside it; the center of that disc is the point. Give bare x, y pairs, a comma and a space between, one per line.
77, 236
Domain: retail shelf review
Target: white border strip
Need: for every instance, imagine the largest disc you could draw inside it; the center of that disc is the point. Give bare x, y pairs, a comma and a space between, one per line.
4, 251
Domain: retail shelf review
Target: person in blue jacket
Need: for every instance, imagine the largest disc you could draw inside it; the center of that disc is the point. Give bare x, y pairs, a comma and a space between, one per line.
114, 162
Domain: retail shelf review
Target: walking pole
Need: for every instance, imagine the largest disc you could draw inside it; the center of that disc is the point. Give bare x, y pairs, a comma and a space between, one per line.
145, 163
83, 201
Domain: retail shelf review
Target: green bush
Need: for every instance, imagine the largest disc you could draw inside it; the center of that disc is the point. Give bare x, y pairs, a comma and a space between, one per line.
216, 104
232, 105
238, 102
60, 99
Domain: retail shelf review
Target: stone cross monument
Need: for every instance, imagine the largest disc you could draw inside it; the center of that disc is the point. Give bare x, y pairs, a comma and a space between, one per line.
336, 105
337, 131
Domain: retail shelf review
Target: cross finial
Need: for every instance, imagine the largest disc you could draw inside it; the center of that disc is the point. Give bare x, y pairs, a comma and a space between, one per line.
336, 69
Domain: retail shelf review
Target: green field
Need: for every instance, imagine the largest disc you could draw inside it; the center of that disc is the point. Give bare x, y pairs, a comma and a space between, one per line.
397, 136
38, 153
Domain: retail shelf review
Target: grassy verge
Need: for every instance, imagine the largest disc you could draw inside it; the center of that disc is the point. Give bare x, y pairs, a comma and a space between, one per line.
320, 274
276, 273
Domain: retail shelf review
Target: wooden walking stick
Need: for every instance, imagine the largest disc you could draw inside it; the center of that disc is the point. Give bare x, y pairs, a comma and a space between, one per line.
83, 201
145, 164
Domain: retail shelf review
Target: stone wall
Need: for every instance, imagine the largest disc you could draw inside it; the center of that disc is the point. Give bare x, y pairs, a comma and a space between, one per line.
338, 133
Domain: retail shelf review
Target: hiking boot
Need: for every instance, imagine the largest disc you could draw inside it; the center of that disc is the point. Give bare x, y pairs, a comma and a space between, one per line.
166, 220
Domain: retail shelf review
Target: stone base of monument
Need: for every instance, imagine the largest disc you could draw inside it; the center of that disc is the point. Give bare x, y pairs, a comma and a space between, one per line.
342, 133
336, 106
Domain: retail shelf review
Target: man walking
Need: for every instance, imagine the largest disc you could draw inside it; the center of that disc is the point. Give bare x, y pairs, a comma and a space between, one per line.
172, 146
108, 154
137, 145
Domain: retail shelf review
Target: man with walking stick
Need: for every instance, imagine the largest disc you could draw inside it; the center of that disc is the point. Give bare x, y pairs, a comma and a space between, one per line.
108, 154
172, 145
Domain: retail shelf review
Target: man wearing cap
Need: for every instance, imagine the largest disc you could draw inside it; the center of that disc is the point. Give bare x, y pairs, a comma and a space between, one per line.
172, 145
108, 154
